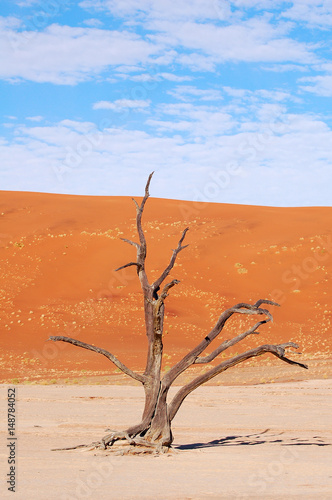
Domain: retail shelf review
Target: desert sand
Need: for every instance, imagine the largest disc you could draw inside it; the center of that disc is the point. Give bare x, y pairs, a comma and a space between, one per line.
254, 442
260, 430
58, 254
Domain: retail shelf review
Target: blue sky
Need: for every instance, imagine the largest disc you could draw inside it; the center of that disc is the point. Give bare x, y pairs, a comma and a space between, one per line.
228, 101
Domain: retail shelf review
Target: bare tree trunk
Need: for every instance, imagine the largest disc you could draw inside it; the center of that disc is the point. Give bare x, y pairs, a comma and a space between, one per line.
154, 430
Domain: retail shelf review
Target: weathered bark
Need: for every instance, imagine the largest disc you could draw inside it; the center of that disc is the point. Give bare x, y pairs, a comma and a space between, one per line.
154, 430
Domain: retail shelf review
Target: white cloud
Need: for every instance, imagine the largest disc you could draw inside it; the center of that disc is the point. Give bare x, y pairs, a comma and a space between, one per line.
160, 9
37, 118
253, 40
199, 121
257, 4
239, 93
143, 77
153, 76
195, 26
172, 126
27, 3
260, 95
188, 92
320, 85
284, 68
8, 23
325, 67
316, 13
66, 55
175, 78
121, 104
276, 164
248, 113
274, 95
313, 12
196, 62
93, 22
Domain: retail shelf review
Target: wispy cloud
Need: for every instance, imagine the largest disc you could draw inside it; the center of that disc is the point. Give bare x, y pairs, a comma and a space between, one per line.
285, 68
161, 9
316, 13
66, 55
27, 3
121, 104
93, 23
37, 118
188, 92
288, 157
149, 77
253, 40
320, 85
190, 88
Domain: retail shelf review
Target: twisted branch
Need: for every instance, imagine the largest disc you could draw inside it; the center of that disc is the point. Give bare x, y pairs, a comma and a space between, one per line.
276, 350
170, 266
133, 243
128, 265
190, 358
141, 246
110, 356
229, 343
139, 212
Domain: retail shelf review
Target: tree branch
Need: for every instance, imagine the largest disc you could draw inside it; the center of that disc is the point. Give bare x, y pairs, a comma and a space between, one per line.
128, 265
139, 212
164, 293
276, 350
243, 308
111, 357
265, 301
190, 358
141, 247
133, 243
170, 266
229, 343
136, 204
158, 307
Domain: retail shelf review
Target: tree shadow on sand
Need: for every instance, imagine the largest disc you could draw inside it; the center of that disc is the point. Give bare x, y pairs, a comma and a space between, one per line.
255, 439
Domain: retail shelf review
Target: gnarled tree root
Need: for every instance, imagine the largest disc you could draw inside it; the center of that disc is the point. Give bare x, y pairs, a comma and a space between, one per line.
107, 442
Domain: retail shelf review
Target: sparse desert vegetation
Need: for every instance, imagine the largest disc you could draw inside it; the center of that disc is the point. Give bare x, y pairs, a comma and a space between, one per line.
57, 278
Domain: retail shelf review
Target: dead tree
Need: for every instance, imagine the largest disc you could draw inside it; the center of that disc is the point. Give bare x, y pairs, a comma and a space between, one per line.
154, 430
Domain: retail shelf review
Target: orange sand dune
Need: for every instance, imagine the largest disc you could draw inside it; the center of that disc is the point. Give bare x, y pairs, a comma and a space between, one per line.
58, 254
